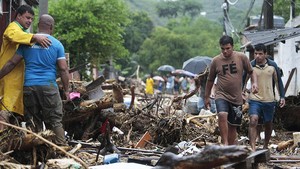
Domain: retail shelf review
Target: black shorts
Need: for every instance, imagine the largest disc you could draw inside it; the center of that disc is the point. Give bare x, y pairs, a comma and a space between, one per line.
234, 111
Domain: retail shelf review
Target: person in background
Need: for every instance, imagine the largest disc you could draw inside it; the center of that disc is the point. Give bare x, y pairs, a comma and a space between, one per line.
262, 104
228, 67
15, 34
169, 84
200, 93
149, 85
191, 84
184, 84
160, 85
41, 94
176, 85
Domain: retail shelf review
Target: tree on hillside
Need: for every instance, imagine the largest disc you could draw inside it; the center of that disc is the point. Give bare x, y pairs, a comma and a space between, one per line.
202, 33
282, 8
178, 42
172, 9
135, 34
137, 31
163, 47
90, 29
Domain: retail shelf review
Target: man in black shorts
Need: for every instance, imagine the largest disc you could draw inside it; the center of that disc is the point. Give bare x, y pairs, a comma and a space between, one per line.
228, 67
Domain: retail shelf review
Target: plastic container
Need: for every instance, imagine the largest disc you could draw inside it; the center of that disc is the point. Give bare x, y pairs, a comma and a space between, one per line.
111, 158
191, 105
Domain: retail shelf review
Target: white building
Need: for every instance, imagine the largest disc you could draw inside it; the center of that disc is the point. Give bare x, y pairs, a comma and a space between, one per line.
289, 58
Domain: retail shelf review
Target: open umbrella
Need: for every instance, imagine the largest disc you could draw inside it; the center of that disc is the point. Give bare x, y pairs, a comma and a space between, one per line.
197, 64
166, 68
158, 78
183, 72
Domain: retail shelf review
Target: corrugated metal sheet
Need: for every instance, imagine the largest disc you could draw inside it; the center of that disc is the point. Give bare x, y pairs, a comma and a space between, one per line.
268, 37
32, 2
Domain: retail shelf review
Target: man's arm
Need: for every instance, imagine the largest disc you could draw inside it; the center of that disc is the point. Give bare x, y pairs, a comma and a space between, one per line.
10, 65
41, 39
64, 74
15, 34
280, 87
254, 86
209, 85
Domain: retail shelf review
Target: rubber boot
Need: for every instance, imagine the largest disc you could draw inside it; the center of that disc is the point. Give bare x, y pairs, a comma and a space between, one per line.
59, 136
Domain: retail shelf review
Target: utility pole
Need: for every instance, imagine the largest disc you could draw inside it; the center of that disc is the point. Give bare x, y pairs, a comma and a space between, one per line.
43, 7
293, 14
269, 22
225, 7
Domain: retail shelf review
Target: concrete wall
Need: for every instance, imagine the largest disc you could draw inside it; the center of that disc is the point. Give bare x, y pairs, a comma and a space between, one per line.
288, 59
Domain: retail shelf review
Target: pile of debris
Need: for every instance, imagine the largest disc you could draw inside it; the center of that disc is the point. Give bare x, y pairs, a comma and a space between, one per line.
108, 121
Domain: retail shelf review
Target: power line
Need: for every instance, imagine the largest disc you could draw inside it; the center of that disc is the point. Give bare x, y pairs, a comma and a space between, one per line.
232, 3
248, 12
230, 24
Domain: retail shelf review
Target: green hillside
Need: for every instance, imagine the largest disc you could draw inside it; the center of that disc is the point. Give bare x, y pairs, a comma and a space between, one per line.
212, 8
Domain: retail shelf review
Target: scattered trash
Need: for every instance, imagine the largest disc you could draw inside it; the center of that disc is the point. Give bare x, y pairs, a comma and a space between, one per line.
111, 158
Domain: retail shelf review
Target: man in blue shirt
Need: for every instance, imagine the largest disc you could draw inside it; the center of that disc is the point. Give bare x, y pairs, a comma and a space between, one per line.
41, 95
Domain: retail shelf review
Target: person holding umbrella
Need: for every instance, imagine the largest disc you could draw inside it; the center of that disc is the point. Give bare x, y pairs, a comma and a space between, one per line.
229, 67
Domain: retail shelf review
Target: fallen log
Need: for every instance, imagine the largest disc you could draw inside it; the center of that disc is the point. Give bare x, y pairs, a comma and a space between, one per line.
212, 156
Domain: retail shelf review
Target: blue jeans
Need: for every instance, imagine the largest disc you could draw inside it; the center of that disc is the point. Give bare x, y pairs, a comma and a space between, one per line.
264, 110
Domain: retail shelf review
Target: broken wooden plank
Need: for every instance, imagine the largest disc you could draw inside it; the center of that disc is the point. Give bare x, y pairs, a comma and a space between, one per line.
251, 162
139, 150
95, 83
277, 157
284, 161
143, 141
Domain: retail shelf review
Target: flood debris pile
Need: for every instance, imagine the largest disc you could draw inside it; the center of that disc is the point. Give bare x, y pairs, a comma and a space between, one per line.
108, 117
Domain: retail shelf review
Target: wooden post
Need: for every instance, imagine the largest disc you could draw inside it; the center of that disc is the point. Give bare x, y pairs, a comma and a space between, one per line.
269, 22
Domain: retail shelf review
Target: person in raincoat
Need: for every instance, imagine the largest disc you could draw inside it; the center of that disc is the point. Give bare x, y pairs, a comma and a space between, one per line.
149, 85
11, 86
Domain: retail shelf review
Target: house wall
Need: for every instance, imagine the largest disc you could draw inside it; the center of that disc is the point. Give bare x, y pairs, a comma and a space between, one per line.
288, 59
7, 14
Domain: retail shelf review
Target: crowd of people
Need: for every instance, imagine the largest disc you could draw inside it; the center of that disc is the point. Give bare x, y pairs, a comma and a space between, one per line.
43, 54
170, 84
